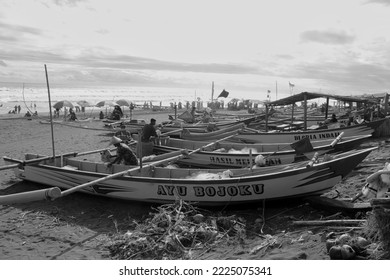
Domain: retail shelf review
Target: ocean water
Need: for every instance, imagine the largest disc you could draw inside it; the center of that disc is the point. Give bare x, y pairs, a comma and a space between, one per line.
36, 98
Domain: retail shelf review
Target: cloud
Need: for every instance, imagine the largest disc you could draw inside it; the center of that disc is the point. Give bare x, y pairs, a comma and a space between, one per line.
69, 3
382, 2
2, 63
122, 62
337, 76
327, 37
15, 29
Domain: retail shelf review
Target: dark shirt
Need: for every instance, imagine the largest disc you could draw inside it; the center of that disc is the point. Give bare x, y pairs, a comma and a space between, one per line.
147, 132
125, 154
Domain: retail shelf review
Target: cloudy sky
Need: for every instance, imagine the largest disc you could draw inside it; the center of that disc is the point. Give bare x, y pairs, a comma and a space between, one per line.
331, 46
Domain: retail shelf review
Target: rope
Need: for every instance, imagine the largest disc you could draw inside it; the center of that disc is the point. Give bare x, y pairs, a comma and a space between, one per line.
24, 101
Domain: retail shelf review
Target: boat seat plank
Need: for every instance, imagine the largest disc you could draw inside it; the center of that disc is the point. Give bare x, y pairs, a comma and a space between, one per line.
72, 162
88, 166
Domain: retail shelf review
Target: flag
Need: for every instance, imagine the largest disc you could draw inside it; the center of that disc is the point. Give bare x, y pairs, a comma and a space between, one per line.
224, 93
302, 146
268, 92
291, 85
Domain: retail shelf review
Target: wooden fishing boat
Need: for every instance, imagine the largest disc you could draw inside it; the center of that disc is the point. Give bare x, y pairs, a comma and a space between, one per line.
292, 136
164, 185
174, 127
236, 155
62, 121
212, 135
207, 127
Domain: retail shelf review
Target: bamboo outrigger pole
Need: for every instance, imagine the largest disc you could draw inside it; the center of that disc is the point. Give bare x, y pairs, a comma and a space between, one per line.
51, 115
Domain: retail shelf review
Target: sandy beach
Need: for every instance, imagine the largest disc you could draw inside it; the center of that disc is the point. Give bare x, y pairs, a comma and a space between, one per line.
78, 226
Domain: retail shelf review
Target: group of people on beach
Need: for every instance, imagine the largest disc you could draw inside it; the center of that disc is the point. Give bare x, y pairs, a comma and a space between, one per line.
121, 140
16, 110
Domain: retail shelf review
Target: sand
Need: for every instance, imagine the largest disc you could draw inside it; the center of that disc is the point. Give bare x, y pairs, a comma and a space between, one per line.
79, 226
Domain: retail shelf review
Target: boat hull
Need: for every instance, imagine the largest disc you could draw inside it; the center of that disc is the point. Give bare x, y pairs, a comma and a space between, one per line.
290, 137
162, 185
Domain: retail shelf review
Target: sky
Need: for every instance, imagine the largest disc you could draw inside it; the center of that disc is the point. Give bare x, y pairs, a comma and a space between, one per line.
281, 46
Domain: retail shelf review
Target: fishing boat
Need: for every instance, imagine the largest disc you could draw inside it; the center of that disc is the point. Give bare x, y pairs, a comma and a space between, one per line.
238, 155
173, 128
153, 184
291, 136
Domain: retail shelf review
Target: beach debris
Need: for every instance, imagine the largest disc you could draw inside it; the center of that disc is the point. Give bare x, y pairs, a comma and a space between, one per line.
177, 231
346, 246
377, 229
268, 242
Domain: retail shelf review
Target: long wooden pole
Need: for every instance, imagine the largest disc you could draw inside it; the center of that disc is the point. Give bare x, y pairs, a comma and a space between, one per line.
51, 115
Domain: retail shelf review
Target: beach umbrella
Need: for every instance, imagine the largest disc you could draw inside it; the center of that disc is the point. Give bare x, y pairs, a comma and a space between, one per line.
64, 103
84, 103
106, 103
124, 102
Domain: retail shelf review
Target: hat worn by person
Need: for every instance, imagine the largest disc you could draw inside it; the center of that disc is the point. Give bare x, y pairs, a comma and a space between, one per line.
115, 140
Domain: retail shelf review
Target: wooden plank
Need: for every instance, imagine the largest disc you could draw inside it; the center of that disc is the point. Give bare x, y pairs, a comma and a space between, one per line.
338, 205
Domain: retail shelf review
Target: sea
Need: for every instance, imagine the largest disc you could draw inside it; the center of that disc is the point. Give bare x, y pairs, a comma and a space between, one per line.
36, 97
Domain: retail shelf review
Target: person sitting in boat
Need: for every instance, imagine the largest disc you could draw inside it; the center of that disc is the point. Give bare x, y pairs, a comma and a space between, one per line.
124, 154
148, 133
72, 115
333, 119
123, 134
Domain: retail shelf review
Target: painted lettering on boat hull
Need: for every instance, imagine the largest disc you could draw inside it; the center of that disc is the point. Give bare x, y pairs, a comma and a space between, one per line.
211, 191
243, 162
315, 136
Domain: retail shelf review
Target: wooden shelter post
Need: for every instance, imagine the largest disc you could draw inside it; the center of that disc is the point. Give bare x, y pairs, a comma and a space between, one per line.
386, 103
327, 108
292, 113
305, 111
266, 117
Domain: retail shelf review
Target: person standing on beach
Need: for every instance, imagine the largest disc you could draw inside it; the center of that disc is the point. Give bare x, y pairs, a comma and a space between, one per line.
123, 153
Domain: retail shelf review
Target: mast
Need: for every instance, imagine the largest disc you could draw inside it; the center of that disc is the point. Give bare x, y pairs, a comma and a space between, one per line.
51, 115
276, 89
212, 92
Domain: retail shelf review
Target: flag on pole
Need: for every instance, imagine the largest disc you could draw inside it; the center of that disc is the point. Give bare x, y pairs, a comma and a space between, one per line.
224, 94
291, 85
302, 146
268, 92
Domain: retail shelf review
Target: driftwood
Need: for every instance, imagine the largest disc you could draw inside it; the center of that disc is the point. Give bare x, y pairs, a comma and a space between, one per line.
381, 202
328, 222
338, 205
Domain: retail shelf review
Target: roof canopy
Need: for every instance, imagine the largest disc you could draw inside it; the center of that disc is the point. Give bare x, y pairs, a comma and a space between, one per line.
312, 95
